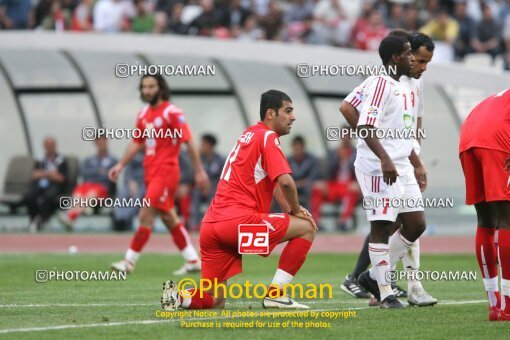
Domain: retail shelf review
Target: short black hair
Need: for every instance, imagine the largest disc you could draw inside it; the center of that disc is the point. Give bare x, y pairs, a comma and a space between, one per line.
272, 99
418, 40
400, 32
298, 139
209, 138
391, 45
164, 89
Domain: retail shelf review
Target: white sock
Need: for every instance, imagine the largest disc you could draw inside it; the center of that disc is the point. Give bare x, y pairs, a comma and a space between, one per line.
132, 256
281, 278
189, 253
398, 246
411, 262
505, 291
380, 259
491, 286
503, 302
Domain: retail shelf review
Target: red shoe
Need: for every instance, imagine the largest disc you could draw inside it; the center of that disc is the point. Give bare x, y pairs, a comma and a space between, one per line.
494, 313
502, 316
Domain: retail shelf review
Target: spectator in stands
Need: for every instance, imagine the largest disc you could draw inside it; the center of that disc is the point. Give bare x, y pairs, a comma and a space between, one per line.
133, 187
272, 22
249, 30
340, 186
95, 181
332, 23
234, 15
14, 14
206, 23
397, 16
304, 170
213, 165
487, 36
295, 17
370, 37
442, 28
144, 20
175, 24
82, 16
467, 27
109, 16
362, 21
49, 178
413, 22
58, 19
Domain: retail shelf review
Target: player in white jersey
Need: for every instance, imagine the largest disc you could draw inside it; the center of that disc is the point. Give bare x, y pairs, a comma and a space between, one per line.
422, 48
384, 168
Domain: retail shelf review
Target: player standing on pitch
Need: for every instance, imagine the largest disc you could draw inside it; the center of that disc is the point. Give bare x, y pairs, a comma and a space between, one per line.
422, 48
161, 167
255, 170
386, 167
484, 152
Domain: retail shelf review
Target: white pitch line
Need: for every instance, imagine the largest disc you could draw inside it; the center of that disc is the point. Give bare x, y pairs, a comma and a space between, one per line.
77, 305
148, 322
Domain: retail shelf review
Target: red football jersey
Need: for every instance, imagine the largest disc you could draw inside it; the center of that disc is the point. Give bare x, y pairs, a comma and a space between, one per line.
248, 178
162, 129
488, 124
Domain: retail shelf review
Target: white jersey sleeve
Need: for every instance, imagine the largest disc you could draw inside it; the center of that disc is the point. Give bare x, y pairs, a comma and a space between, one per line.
376, 95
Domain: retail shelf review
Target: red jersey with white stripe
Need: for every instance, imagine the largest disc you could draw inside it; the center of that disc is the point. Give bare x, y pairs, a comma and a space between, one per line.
248, 178
386, 106
488, 125
162, 128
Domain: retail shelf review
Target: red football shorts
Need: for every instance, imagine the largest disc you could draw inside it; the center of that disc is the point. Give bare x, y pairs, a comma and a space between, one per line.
485, 174
89, 189
160, 190
219, 243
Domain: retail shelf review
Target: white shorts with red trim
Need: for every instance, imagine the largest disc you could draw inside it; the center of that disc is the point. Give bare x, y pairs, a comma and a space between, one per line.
384, 202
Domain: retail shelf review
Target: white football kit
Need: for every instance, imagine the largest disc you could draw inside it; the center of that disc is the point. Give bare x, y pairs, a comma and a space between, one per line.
387, 104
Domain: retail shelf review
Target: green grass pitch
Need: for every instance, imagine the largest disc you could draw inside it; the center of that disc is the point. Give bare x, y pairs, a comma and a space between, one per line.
127, 309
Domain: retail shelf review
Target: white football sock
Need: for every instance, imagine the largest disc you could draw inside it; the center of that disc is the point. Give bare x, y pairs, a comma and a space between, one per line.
281, 278
411, 262
398, 246
189, 253
132, 256
379, 257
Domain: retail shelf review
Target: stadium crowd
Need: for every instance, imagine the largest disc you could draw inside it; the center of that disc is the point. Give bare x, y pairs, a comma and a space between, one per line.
464, 26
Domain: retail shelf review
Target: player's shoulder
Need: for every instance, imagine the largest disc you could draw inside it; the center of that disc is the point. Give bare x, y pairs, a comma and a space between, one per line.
261, 133
383, 82
173, 109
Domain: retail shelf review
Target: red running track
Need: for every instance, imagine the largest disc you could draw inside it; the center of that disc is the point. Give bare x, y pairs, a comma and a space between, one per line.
162, 243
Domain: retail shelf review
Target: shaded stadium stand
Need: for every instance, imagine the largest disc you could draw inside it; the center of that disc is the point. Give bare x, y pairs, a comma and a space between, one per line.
17, 181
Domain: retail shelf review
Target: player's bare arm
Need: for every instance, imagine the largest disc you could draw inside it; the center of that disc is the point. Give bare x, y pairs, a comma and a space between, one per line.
132, 149
201, 178
288, 188
420, 171
350, 113
419, 124
280, 199
388, 168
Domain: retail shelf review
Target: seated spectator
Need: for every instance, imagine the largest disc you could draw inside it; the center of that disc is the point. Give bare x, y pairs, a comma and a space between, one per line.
14, 14
82, 16
441, 27
486, 37
413, 22
249, 31
304, 170
175, 23
295, 17
133, 186
213, 164
341, 185
109, 16
272, 22
234, 15
397, 16
361, 21
467, 27
143, 21
332, 23
206, 23
58, 19
95, 182
49, 178
370, 37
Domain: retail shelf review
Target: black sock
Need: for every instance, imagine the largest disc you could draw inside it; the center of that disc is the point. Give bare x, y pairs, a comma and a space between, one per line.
363, 260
